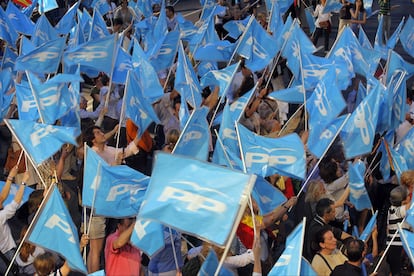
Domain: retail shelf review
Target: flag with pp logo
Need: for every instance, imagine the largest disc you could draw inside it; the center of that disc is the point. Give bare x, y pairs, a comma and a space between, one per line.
54, 229
266, 156
185, 193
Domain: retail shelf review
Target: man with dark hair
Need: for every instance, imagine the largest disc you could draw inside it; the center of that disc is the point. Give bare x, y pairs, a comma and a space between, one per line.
171, 18
355, 252
325, 213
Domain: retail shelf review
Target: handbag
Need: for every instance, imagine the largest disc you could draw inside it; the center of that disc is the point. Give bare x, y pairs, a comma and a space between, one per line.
324, 24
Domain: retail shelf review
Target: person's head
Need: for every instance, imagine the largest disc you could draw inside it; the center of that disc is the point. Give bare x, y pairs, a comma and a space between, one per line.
34, 201
355, 250
328, 170
156, 8
407, 180
27, 248
117, 26
360, 3
44, 264
325, 209
325, 240
172, 138
169, 11
398, 195
315, 191
124, 223
94, 135
124, 3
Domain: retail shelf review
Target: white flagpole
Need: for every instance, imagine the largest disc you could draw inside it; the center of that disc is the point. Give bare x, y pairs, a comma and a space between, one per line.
29, 228
184, 129
291, 117
223, 148
96, 186
241, 38
122, 116
27, 155
35, 97
224, 95
320, 159
248, 101
243, 204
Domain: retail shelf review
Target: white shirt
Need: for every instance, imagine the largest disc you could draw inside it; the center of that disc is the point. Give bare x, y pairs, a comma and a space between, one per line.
7, 241
321, 16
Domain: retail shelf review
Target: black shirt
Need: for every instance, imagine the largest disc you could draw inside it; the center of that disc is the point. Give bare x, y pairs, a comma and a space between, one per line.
347, 269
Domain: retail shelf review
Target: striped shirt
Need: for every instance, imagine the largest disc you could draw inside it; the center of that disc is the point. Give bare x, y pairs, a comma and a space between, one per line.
384, 7
395, 216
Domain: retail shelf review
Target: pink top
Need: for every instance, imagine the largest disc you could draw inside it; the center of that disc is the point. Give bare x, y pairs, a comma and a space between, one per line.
122, 261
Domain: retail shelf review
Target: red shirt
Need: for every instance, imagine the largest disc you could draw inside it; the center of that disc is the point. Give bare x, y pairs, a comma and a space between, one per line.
122, 261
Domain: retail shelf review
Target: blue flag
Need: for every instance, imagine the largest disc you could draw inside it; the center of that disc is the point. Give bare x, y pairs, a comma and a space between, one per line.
397, 89
186, 28
210, 265
123, 63
228, 135
147, 76
166, 51
385, 166
216, 51
236, 27
221, 78
96, 55
409, 218
194, 140
397, 63
186, 81
266, 156
407, 36
289, 263
326, 102
41, 141
331, 6
67, 22
393, 39
7, 32
9, 58
357, 58
148, 236
257, 47
44, 59
276, 24
13, 190
55, 230
310, 19
407, 238
98, 27
358, 193
20, 21
43, 31
26, 104
358, 133
369, 227
101, 5
293, 94
398, 162
53, 98
298, 45
76, 36
206, 66
114, 191
138, 108
267, 196
363, 39
306, 268
47, 5
320, 139
406, 148
185, 192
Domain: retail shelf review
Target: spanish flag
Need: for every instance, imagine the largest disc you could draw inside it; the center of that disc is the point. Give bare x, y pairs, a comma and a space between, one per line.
23, 3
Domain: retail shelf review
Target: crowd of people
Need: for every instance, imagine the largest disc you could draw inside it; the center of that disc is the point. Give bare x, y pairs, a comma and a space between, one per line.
331, 243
